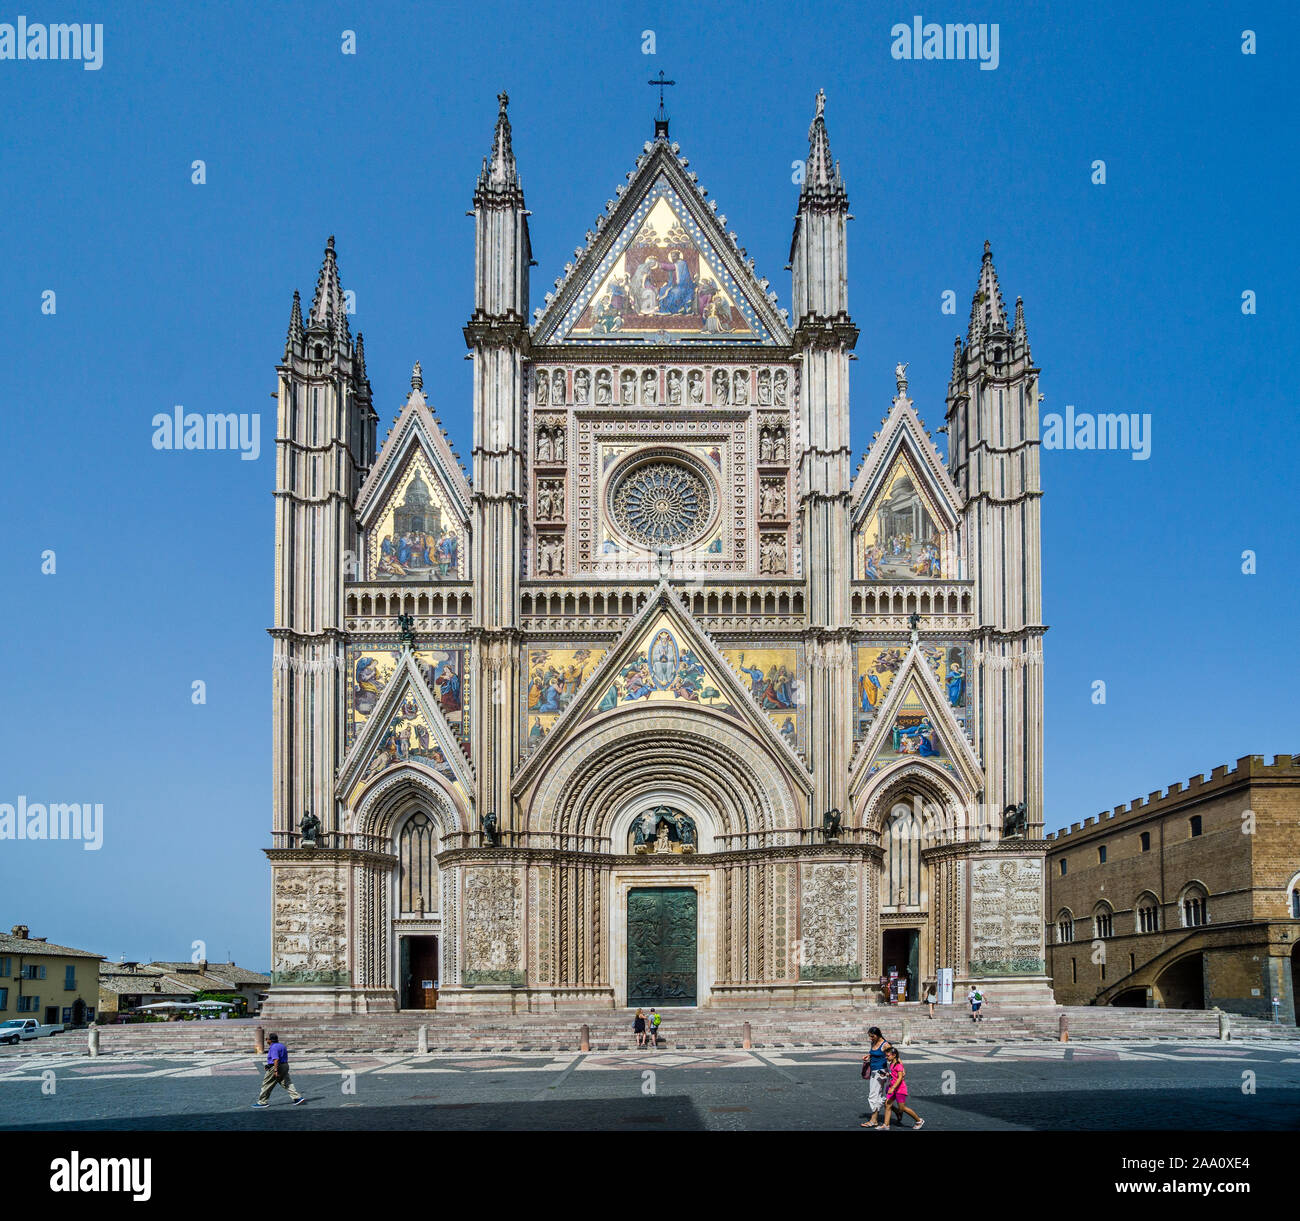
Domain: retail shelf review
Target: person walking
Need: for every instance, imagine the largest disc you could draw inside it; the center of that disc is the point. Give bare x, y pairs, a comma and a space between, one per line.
875, 1070
277, 1072
654, 1021
931, 998
638, 1027
976, 999
896, 1094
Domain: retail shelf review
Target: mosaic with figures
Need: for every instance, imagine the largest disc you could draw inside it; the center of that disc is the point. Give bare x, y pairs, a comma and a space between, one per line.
662, 281
899, 540
775, 681
878, 664
370, 668
913, 734
664, 669
417, 537
552, 677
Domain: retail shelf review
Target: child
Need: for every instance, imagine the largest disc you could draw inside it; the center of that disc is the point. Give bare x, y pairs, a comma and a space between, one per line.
896, 1095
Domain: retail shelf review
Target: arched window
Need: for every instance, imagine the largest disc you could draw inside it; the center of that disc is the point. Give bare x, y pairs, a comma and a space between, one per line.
1293, 897
1103, 921
902, 864
1147, 913
417, 845
1194, 906
1064, 926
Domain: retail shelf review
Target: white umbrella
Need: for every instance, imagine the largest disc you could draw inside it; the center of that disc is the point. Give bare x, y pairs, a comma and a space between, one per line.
210, 1005
164, 1005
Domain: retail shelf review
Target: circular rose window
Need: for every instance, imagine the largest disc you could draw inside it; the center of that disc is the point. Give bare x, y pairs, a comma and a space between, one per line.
661, 504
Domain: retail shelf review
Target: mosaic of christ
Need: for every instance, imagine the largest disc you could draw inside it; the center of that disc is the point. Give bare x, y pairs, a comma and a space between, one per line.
661, 282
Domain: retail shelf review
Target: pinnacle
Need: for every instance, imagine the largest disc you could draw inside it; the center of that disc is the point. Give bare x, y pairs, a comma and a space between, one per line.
500, 173
822, 178
294, 339
327, 307
988, 313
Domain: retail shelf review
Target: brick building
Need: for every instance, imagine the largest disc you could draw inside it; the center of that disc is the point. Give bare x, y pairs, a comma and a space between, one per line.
1187, 900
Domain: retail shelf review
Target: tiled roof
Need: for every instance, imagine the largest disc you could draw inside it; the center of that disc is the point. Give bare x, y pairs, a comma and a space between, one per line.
225, 971
10, 944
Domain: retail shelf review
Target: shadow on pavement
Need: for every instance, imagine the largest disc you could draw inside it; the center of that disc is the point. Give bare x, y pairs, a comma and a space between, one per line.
577, 1115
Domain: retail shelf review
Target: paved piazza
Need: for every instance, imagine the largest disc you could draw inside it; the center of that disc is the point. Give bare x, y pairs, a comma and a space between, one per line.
1205, 1086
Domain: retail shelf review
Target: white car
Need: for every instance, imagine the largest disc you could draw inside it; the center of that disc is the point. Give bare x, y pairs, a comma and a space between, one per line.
25, 1028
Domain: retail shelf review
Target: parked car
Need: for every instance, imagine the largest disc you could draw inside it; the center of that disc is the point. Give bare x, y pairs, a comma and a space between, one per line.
25, 1028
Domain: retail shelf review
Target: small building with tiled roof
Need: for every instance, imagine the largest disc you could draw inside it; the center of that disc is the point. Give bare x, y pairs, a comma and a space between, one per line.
52, 983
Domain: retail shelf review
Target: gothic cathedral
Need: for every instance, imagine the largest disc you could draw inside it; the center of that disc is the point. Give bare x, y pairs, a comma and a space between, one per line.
664, 705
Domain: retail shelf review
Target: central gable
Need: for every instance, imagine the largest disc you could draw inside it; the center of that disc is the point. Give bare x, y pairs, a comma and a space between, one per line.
664, 271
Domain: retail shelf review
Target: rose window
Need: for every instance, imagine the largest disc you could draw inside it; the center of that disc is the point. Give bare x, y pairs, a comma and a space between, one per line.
661, 504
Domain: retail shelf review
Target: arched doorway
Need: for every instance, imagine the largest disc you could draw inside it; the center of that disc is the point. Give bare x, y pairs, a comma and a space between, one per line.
1182, 984
418, 968
1295, 981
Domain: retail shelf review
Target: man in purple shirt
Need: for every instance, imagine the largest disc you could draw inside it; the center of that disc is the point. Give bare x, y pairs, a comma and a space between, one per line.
277, 1070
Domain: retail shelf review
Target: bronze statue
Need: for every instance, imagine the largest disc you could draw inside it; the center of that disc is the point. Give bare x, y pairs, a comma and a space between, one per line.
311, 830
1015, 821
407, 633
491, 834
831, 824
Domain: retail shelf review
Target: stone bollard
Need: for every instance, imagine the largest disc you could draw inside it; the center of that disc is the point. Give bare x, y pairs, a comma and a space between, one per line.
92, 1039
747, 1042
422, 1041
1225, 1026
260, 1047
586, 1038
1064, 1028
907, 1034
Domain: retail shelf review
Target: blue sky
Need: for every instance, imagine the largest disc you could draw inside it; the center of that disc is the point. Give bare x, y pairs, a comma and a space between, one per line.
170, 293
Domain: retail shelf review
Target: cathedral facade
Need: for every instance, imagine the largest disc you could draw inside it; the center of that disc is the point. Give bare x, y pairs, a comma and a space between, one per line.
662, 703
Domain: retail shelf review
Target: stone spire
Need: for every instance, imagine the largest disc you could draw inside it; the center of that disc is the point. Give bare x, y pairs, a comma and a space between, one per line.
327, 304
293, 341
1020, 334
361, 357
987, 302
500, 174
822, 182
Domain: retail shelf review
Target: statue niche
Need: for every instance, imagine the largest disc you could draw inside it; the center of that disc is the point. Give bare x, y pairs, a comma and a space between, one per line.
663, 830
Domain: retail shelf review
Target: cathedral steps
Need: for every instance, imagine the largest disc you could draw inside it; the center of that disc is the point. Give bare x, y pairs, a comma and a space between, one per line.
683, 1029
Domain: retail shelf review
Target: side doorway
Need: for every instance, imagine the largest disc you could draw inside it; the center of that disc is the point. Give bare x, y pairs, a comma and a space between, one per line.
419, 972
901, 952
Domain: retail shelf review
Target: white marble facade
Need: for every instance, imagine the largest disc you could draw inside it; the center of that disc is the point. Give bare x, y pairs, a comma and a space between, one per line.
656, 635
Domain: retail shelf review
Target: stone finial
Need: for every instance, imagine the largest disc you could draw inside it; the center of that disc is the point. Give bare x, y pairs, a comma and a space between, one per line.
417, 377
900, 379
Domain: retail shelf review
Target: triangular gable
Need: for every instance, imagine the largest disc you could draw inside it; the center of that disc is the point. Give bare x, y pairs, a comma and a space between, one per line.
916, 723
905, 508
903, 432
406, 728
415, 504
416, 425
664, 657
661, 269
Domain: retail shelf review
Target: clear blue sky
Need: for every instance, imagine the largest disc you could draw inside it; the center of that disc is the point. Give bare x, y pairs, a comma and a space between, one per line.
172, 293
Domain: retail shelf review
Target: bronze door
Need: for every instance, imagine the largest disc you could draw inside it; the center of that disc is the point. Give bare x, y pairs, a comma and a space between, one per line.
662, 946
